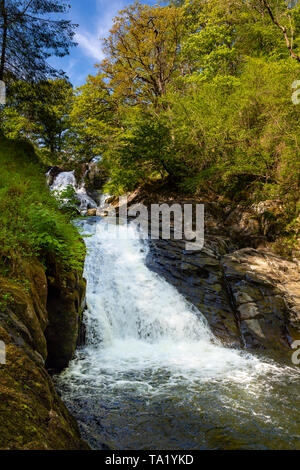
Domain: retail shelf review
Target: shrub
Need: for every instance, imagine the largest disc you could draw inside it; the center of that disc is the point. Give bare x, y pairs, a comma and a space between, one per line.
31, 223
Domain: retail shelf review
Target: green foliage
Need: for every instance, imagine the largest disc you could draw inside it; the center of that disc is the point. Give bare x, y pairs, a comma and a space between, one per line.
31, 223
223, 124
196, 93
142, 52
240, 138
68, 201
30, 32
93, 120
39, 112
143, 150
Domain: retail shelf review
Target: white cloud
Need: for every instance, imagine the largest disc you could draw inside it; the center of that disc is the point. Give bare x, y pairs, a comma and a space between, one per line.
90, 44
91, 41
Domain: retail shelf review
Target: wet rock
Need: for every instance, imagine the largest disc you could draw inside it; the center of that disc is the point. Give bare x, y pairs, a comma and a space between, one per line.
95, 177
64, 302
249, 297
32, 414
52, 173
248, 311
95, 195
91, 212
266, 289
199, 278
243, 221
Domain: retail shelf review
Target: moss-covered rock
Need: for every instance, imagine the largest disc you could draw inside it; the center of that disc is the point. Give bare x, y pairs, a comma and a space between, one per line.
66, 299
41, 289
32, 414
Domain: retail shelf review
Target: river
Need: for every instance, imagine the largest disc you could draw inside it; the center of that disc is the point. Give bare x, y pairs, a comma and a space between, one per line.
152, 375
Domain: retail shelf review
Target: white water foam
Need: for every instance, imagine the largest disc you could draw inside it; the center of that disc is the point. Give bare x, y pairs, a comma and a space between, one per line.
67, 179
138, 323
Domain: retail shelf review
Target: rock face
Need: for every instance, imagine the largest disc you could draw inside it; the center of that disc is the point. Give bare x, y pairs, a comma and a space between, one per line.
266, 292
32, 414
249, 296
65, 303
95, 177
198, 276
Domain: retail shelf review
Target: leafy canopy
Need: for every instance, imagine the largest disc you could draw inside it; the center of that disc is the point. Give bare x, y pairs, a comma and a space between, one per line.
29, 34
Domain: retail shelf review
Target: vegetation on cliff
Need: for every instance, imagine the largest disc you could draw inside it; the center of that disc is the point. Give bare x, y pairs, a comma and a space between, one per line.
31, 224
41, 296
42, 290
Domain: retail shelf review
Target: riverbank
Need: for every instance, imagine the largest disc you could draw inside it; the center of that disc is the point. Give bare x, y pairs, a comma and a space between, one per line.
42, 294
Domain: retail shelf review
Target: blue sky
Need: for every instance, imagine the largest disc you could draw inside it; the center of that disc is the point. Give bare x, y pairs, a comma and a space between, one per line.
95, 20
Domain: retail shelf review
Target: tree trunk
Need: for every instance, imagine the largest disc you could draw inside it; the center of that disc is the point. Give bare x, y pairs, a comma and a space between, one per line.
4, 41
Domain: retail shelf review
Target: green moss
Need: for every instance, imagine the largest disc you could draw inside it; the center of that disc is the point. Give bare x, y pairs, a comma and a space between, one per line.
32, 415
37, 243
31, 223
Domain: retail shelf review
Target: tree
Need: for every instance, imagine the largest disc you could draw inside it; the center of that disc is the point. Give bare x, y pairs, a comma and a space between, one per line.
210, 48
40, 112
177, 3
223, 32
198, 95
142, 52
285, 16
94, 119
142, 151
29, 36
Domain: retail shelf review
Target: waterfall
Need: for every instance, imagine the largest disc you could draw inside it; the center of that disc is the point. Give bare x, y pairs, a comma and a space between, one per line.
134, 314
67, 179
153, 376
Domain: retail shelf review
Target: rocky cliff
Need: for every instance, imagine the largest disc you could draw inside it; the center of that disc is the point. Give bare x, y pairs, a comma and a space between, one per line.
250, 298
249, 295
41, 296
38, 324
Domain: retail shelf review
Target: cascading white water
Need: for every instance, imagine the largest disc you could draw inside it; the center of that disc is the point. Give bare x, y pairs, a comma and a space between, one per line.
102, 203
136, 316
151, 359
67, 179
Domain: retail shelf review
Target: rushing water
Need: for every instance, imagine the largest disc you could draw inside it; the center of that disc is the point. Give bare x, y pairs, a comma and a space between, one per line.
65, 180
152, 375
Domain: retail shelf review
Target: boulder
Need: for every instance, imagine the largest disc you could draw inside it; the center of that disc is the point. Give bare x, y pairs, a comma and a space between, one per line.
198, 276
266, 291
91, 212
65, 303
